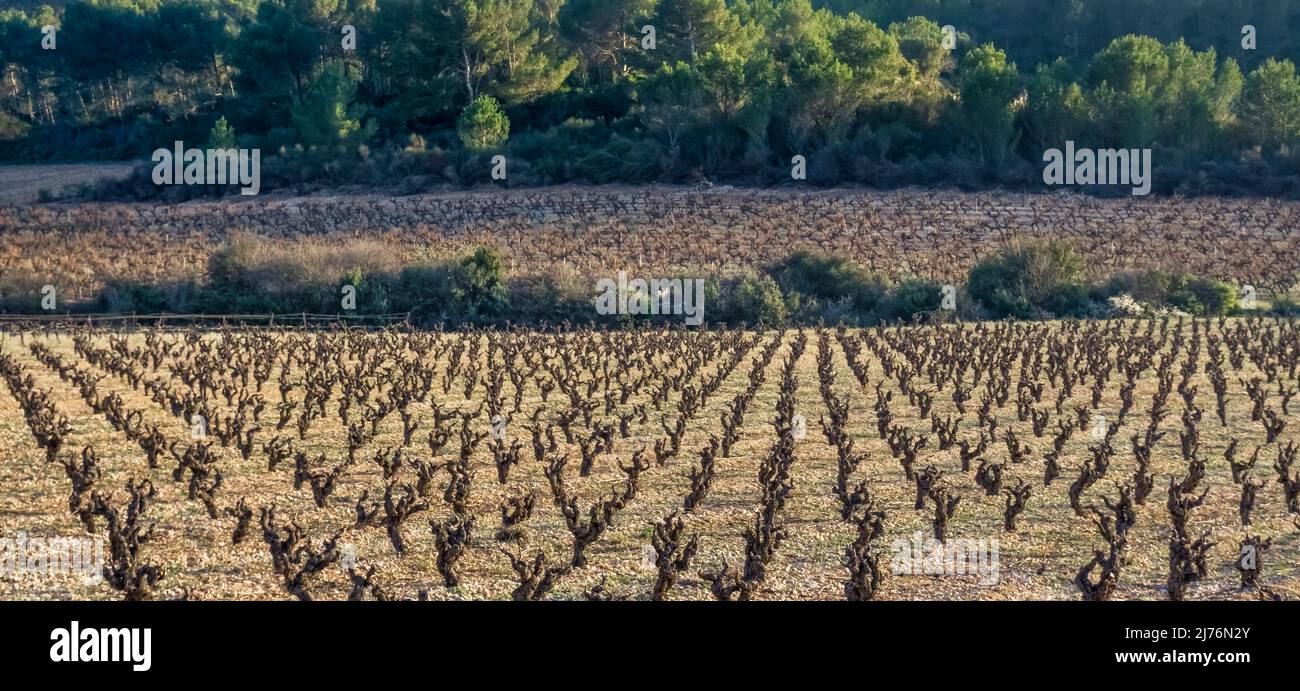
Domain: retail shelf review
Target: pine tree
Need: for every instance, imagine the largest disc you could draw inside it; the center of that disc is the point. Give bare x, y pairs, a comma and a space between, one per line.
221, 136
326, 115
482, 125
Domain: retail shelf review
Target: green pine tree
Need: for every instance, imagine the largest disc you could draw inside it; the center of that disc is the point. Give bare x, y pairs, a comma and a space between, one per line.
482, 125
327, 115
221, 136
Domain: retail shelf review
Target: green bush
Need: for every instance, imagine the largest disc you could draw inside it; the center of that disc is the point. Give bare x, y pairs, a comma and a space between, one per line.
371, 292
1284, 307
1214, 296
1191, 294
238, 302
1144, 286
993, 287
146, 298
599, 166
478, 285
252, 274
819, 279
20, 295
909, 299
1068, 300
424, 290
1028, 279
124, 296
550, 299
756, 300
12, 128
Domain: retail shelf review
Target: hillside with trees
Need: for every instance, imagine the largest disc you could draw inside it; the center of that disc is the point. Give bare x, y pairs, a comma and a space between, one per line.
870, 92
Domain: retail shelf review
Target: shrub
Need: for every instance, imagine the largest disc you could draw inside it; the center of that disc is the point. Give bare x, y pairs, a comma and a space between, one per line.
254, 274
1124, 306
21, 293
910, 298
1068, 300
1145, 286
755, 300
478, 285
999, 298
371, 292
12, 128
1214, 296
1284, 307
1191, 294
424, 290
550, 299
1028, 278
599, 166
128, 296
144, 298
828, 279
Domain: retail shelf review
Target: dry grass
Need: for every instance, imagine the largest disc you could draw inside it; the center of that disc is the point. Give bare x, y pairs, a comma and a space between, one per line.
278, 267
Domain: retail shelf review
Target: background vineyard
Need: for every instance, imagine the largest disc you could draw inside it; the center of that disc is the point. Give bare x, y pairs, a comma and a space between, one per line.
585, 234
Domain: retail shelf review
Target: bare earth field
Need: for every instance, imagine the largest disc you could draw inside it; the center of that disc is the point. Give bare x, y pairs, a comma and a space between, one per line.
240, 421
23, 184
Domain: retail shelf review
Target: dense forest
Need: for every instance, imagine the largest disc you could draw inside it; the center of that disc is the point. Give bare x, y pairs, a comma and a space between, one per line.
883, 92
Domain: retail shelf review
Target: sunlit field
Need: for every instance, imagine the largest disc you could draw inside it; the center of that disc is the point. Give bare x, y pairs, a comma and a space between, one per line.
1140, 459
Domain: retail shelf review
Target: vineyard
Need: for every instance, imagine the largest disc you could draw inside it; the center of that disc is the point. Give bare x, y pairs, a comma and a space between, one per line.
934, 234
1106, 460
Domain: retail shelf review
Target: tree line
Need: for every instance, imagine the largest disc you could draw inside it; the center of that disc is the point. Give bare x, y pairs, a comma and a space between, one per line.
886, 92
